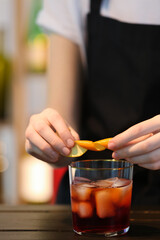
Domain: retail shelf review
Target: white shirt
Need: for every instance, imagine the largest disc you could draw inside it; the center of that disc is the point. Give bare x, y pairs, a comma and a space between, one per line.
68, 17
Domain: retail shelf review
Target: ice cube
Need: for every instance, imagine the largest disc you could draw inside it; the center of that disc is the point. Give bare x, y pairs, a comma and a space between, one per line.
121, 182
126, 195
117, 195
85, 209
104, 205
80, 180
106, 183
121, 194
82, 191
74, 206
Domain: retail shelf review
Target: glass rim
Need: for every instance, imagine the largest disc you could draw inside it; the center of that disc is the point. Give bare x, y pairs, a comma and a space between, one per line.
102, 168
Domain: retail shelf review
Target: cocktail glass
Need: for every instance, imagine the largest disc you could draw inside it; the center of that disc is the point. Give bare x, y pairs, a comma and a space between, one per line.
101, 193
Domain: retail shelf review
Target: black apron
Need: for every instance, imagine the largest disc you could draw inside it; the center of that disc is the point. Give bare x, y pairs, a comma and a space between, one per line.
122, 88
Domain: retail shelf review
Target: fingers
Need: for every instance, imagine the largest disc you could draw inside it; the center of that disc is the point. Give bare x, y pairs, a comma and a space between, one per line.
139, 139
61, 128
140, 144
145, 153
37, 153
150, 160
139, 148
151, 166
52, 127
48, 136
74, 133
136, 131
37, 146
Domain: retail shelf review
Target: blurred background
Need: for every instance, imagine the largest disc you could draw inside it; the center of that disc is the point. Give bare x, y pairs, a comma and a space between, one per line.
23, 92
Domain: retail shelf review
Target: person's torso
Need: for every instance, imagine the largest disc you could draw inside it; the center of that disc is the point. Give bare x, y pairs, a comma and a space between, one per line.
123, 82
122, 87
132, 11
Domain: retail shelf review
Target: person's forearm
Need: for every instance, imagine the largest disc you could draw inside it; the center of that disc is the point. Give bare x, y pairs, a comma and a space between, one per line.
64, 73
50, 134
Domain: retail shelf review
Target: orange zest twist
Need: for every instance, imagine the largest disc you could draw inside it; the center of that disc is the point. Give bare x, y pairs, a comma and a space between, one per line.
104, 142
94, 146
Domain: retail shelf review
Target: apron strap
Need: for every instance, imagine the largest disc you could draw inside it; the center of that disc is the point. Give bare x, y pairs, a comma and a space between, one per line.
95, 6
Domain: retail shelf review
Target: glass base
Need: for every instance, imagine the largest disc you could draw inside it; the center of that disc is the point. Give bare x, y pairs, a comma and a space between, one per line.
106, 234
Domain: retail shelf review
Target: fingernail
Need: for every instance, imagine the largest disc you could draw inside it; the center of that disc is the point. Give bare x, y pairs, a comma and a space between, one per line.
65, 151
70, 143
115, 155
111, 145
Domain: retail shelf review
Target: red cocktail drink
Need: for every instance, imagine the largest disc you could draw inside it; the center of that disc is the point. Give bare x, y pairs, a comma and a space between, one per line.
101, 206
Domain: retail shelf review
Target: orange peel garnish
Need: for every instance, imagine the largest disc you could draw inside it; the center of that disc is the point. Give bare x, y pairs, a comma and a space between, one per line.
89, 145
81, 146
104, 142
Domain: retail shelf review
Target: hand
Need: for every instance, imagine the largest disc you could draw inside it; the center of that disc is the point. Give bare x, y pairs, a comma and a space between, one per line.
140, 144
48, 136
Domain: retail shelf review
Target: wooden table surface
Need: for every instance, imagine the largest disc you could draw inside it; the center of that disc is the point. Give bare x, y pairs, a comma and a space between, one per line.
53, 222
